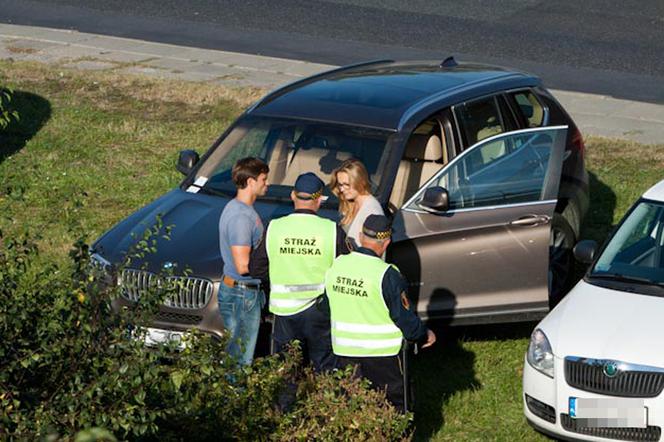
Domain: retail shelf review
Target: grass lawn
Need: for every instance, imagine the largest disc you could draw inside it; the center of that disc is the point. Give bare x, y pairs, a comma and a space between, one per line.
91, 147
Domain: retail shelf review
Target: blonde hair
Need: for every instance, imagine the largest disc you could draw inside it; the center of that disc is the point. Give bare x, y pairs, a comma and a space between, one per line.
359, 180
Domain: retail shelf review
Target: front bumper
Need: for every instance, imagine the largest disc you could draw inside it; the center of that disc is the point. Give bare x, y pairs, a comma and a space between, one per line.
207, 319
556, 393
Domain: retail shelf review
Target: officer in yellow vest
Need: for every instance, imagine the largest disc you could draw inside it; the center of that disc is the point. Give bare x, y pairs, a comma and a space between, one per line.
293, 257
369, 311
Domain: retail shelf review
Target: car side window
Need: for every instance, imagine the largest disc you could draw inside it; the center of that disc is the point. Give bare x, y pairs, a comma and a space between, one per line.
529, 108
479, 119
507, 170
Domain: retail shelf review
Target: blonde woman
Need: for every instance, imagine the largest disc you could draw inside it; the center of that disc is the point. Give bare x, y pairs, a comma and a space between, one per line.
350, 183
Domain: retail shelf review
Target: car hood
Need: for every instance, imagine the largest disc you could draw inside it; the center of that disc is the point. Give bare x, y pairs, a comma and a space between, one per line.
601, 323
193, 242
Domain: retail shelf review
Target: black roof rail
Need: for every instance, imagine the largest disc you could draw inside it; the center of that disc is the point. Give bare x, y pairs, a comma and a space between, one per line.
292, 85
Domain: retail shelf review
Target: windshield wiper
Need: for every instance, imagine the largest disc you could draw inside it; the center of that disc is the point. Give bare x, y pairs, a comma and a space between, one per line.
216, 192
626, 278
269, 197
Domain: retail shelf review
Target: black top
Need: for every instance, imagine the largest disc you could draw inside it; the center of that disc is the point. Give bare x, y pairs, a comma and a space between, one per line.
378, 95
395, 286
259, 263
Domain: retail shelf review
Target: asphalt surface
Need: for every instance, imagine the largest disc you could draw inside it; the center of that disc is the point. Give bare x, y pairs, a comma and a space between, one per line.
604, 47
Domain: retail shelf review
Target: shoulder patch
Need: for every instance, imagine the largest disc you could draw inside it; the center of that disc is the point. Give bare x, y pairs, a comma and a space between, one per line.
405, 301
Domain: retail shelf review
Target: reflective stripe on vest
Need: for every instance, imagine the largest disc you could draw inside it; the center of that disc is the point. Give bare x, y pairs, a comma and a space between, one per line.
294, 288
289, 303
361, 323
300, 248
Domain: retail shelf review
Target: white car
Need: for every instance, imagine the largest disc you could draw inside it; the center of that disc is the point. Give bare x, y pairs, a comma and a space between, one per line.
594, 369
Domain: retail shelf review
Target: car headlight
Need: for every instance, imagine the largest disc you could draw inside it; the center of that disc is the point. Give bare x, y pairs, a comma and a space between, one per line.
103, 268
540, 355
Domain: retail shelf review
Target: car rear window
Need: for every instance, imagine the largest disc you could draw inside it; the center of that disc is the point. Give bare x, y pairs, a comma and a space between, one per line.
529, 107
479, 119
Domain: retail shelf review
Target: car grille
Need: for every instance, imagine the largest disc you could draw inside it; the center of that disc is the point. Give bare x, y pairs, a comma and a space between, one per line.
650, 433
179, 318
629, 381
190, 292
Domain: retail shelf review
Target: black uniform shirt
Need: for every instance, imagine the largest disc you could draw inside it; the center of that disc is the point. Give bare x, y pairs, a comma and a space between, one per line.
259, 263
395, 286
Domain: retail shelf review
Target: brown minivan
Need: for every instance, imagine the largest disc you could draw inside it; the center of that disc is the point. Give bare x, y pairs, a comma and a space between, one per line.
480, 167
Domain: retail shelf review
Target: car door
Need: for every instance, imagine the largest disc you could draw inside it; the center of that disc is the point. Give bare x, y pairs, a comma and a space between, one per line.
485, 258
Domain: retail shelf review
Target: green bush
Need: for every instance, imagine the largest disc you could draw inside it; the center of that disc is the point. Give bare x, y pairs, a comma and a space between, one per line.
70, 370
6, 114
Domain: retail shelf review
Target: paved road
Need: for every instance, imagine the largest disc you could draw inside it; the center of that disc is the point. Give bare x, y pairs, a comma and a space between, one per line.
607, 47
595, 114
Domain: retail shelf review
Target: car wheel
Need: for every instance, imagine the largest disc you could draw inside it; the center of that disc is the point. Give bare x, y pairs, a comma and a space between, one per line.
561, 260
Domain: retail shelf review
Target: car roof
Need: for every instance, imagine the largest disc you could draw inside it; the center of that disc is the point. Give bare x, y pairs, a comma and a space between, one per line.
380, 94
656, 192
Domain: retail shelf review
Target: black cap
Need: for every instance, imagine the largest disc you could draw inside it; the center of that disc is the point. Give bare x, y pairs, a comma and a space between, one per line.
377, 227
309, 185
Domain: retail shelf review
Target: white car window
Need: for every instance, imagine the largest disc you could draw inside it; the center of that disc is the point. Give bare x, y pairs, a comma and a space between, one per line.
636, 248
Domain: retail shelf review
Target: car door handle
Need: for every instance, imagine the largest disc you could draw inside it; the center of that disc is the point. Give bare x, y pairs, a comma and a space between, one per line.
531, 220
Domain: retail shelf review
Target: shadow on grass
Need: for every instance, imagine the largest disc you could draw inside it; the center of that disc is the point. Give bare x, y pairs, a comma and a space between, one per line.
34, 111
448, 368
598, 223
599, 220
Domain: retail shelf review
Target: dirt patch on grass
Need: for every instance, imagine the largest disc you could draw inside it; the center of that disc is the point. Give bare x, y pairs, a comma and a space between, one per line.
21, 50
108, 88
605, 151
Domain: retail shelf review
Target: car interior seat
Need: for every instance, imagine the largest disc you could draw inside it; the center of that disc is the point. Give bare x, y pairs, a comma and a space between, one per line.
319, 156
423, 157
278, 162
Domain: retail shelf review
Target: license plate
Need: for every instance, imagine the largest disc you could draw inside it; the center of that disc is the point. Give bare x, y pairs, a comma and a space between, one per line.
157, 336
609, 412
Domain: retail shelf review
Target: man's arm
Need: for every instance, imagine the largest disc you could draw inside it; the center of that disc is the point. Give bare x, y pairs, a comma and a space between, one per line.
239, 230
394, 293
241, 258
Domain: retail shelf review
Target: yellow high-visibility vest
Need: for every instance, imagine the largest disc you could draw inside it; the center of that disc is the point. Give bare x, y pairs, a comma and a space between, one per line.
361, 323
300, 248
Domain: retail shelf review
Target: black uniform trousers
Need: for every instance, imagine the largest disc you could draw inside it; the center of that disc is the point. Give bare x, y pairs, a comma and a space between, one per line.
384, 372
312, 328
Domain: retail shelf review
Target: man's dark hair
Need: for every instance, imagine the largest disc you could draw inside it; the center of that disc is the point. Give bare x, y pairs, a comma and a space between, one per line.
246, 168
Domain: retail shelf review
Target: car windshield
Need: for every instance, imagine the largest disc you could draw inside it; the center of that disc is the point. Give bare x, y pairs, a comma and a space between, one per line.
635, 253
292, 147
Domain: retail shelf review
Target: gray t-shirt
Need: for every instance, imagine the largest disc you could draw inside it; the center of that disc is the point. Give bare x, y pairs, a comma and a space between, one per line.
239, 225
371, 206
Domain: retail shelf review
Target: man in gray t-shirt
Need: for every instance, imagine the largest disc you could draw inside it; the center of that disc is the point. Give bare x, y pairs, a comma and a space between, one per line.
239, 226
240, 229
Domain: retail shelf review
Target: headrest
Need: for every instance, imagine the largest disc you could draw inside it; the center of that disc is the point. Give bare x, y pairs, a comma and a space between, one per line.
424, 148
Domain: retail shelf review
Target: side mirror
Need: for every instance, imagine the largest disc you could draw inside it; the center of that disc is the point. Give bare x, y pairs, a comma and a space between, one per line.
186, 161
435, 199
584, 251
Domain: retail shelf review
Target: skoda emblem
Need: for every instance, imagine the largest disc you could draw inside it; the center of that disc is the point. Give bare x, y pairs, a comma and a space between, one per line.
168, 265
610, 369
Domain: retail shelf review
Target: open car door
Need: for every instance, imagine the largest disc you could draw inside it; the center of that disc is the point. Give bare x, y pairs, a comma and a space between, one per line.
474, 240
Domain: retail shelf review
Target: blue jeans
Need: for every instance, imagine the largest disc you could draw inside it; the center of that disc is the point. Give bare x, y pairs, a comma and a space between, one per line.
241, 312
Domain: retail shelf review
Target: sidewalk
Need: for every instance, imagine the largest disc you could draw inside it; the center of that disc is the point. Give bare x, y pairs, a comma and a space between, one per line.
595, 114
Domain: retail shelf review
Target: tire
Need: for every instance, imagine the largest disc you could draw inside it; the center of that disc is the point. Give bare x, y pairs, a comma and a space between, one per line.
561, 259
